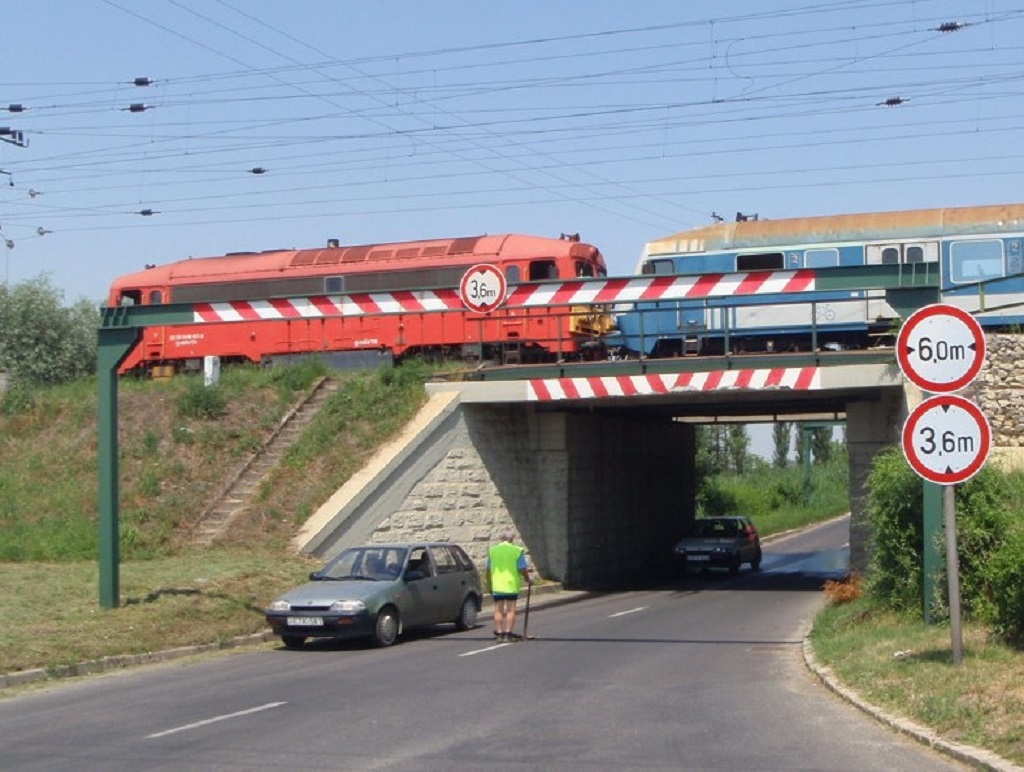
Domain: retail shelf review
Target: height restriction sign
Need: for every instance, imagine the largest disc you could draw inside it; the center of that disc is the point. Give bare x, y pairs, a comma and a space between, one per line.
940, 348
946, 439
483, 288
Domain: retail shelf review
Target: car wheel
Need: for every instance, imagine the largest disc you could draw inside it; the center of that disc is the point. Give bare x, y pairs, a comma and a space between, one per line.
385, 629
293, 641
755, 564
467, 614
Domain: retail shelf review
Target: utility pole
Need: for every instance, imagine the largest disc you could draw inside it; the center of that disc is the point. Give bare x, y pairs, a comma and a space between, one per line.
17, 138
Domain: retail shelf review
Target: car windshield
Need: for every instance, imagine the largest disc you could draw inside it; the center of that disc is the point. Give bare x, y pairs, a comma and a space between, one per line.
372, 563
715, 529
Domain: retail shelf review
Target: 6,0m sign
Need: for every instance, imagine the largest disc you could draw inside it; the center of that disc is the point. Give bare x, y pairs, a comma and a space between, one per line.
946, 439
940, 348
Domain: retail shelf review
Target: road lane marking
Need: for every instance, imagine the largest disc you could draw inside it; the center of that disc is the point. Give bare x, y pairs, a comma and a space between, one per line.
631, 611
488, 648
215, 719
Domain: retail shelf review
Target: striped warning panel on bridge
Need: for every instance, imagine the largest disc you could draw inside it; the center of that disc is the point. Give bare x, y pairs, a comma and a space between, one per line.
598, 387
566, 293
692, 287
319, 306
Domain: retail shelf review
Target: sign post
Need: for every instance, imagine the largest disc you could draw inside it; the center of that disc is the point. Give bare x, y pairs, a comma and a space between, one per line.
946, 438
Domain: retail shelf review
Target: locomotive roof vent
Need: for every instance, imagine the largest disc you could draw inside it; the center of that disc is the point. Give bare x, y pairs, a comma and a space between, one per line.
333, 243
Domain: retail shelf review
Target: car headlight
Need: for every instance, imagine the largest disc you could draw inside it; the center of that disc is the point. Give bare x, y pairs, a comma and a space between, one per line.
280, 605
348, 606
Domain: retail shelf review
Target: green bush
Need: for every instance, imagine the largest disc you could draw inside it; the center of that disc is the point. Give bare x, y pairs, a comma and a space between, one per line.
199, 401
1004, 572
983, 519
715, 498
895, 513
17, 399
990, 544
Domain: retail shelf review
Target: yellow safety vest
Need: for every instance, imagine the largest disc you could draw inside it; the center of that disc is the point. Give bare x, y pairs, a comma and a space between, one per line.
505, 574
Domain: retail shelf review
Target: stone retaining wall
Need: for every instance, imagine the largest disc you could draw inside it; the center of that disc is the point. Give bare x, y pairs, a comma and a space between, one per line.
999, 392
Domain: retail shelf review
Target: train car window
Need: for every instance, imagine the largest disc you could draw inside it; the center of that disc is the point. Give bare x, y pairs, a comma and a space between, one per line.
543, 269
821, 258
156, 298
512, 274
893, 254
760, 261
915, 254
659, 267
976, 261
334, 285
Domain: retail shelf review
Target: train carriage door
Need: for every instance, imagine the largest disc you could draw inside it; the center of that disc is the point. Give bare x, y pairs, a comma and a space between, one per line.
914, 256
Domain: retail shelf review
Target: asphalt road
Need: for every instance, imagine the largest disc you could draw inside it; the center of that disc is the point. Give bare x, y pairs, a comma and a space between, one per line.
703, 675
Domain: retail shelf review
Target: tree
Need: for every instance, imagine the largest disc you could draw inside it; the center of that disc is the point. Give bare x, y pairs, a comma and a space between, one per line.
737, 443
781, 433
821, 444
41, 340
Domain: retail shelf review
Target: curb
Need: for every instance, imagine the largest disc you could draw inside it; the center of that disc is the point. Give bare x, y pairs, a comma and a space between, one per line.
121, 661
979, 757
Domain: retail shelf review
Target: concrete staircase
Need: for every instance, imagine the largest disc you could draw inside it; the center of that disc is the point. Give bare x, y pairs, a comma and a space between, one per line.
235, 496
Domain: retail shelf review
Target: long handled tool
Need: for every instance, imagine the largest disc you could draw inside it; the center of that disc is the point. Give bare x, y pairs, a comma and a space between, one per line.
526, 614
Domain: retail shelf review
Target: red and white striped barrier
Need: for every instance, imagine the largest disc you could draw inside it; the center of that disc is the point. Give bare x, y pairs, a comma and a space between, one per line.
568, 293
599, 387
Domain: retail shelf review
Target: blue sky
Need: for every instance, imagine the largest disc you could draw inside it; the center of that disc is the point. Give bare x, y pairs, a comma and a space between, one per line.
398, 120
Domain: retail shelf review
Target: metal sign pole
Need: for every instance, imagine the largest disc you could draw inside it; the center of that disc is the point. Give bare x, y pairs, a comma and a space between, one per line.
953, 573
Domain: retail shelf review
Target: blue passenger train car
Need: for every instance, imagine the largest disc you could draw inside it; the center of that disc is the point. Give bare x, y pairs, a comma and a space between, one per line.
966, 245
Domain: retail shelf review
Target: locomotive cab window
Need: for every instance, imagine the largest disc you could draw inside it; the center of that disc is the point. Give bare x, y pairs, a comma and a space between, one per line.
584, 269
513, 274
976, 261
760, 261
541, 270
334, 284
130, 298
156, 298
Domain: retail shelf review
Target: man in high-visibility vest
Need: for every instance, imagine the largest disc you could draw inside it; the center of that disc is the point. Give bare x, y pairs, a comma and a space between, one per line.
508, 571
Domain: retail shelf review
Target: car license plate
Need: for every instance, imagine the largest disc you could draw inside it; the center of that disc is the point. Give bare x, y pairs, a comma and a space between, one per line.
699, 558
305, 621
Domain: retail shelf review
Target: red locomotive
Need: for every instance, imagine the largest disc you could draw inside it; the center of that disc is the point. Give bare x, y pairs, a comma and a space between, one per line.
395, 300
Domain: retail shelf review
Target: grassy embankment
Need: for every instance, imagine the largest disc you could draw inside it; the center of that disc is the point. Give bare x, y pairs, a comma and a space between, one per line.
177, 446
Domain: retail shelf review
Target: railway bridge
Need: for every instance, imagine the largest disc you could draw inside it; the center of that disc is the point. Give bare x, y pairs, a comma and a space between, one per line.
593, 463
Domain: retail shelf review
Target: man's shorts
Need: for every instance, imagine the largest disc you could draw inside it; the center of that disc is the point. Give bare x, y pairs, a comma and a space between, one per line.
505, 595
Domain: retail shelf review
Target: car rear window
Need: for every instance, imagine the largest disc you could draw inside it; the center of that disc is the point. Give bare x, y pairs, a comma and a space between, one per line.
715, 528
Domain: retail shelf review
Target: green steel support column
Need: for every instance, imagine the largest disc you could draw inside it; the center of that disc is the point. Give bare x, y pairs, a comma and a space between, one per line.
114, 344
932, 568
805, 459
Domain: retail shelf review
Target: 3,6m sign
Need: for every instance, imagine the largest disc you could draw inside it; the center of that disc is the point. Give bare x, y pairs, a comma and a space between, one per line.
483, 288
946, 439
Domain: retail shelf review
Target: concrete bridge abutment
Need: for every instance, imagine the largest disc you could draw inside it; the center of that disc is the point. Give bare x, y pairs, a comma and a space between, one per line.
596, 499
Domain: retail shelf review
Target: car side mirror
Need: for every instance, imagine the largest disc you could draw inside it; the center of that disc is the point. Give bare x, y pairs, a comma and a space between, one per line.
315, 576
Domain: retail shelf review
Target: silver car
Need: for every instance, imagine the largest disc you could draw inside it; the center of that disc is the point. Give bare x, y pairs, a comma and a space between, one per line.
722, 542
378, 591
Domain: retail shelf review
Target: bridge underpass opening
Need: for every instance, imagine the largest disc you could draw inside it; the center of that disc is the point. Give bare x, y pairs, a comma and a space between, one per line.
601, 490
